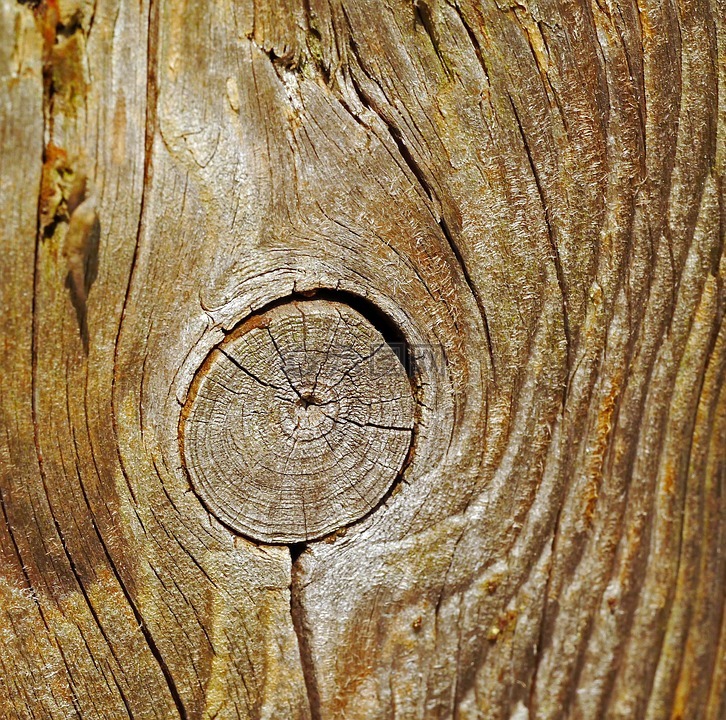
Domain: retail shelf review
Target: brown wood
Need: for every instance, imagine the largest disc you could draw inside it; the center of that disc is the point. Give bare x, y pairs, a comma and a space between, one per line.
525, 201
298, 423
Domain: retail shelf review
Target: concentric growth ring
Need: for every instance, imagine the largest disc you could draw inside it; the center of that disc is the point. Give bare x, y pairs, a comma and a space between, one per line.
298, 423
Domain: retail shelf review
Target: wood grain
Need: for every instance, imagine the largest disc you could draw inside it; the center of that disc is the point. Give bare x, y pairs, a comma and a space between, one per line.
531, 194
298, 423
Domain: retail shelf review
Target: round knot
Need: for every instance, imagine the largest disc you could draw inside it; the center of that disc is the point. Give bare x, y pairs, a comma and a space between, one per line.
298, 423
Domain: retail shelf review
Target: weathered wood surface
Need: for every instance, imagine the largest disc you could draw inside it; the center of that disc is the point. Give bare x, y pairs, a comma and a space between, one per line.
298, 423
533, 195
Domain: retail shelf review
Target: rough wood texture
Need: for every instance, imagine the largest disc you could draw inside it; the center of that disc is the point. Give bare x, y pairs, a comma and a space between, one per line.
532, 193
298, 423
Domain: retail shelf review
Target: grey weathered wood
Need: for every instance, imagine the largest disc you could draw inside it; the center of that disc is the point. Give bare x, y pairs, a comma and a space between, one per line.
298, 423
532, 193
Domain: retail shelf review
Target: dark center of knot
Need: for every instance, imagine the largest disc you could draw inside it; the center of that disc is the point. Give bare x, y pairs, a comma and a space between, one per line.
309, 417
305, 401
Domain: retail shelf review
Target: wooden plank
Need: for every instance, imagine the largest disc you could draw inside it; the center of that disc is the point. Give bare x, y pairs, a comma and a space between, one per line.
526, 202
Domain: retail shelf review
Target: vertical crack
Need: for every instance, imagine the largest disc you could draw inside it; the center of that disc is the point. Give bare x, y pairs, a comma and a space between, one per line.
474, 292
302, 630
559, 271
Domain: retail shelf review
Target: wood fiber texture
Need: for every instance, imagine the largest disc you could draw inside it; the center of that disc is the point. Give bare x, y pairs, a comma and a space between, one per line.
299, 422
531, 193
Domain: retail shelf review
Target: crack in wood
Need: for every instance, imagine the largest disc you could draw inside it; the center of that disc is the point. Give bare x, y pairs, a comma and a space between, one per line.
291, 465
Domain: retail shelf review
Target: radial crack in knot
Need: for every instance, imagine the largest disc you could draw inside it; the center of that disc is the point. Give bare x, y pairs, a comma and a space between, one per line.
298, 423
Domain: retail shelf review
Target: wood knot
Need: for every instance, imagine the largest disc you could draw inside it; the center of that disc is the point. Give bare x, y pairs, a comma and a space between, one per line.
298, 423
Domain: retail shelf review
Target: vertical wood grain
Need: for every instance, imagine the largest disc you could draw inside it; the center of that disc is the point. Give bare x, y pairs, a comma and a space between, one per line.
532, 194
